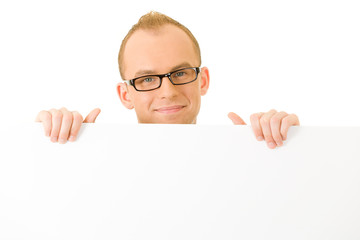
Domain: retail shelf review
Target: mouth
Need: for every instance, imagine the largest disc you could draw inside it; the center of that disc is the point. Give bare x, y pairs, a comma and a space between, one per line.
169, 109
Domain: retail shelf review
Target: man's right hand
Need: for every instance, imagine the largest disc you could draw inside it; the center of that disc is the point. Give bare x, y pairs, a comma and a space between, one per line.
62, 125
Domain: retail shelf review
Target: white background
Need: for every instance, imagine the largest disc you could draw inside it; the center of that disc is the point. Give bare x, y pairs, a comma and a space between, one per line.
302, 57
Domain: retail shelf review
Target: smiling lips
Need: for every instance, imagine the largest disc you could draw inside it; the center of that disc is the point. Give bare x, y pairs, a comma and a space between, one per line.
169, 109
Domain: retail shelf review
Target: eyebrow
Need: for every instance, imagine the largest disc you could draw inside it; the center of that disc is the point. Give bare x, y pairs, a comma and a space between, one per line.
149, 72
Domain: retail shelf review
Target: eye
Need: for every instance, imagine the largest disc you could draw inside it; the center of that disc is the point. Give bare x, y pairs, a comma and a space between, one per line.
148, 80
179, 74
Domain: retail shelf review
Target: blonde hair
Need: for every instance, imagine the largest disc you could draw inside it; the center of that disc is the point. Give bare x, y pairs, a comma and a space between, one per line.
152, 21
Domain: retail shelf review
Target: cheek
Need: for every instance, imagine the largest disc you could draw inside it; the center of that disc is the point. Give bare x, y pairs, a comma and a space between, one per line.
194, 92
193, 95
142, 101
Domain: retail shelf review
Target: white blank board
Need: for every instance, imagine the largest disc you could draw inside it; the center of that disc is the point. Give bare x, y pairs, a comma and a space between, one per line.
179, 182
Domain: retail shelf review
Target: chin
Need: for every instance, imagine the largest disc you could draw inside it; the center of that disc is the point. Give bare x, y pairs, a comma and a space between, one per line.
174, 121
178, 122
169, 120
180, 117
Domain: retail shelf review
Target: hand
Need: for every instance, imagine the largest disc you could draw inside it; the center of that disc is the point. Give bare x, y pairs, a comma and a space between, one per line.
271, 126
62, 124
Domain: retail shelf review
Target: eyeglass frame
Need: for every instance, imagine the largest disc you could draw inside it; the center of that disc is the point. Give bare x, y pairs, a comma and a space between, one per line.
161, 76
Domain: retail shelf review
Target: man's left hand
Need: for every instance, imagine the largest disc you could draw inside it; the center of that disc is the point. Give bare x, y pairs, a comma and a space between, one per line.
271, 126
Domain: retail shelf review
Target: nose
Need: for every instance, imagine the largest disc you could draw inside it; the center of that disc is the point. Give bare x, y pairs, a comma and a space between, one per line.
167, 89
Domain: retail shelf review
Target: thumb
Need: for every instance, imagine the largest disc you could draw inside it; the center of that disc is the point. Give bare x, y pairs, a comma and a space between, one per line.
236, 119
92, 116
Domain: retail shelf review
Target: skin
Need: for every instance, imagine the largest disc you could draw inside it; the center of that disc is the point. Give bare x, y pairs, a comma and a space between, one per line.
159, 52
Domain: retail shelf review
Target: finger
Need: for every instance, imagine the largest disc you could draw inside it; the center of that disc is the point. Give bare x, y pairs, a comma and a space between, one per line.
236, 119
266, 128
255, 124
92, 116
275, 123
67, 119
76, 125
287, 122
45, 118
56, 119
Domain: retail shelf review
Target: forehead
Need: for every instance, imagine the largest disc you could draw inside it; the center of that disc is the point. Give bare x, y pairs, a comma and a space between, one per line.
158, 50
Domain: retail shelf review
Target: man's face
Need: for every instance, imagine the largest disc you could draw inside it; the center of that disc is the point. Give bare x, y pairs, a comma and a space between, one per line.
158, 52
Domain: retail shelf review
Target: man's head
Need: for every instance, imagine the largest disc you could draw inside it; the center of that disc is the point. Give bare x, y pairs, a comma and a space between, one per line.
156, 45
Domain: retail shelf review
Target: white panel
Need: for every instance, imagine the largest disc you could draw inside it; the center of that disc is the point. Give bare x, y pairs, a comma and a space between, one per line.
179, 182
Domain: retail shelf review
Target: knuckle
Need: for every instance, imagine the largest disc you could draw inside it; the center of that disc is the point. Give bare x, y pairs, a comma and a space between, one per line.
77, 116
294, 116
43, 112
264, 120
254, 117
286, 121
57, 115
45, 115
275, 119
67, 117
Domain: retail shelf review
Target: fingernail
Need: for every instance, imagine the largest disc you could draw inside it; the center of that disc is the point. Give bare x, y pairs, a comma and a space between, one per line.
53, 139
62, 141
260, 138
271, 145
72, 138
279, 144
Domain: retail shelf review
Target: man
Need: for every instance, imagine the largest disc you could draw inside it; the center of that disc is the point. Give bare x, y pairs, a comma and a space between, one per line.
159, 61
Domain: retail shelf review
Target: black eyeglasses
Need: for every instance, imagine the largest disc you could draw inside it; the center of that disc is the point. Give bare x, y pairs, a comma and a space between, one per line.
152, 82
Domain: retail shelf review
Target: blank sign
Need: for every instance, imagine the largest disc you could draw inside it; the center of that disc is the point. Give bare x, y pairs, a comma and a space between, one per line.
179, 182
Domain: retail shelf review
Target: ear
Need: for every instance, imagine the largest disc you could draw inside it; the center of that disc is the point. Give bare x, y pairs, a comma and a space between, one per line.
124, 95
204, 81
